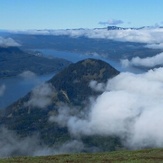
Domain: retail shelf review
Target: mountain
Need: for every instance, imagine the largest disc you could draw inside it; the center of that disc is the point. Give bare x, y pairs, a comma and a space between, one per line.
75, 79
132, 28
81, 44
69, 87
14, 61
115, 28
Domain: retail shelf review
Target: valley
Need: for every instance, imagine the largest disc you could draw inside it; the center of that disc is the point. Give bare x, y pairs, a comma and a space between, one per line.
66, 94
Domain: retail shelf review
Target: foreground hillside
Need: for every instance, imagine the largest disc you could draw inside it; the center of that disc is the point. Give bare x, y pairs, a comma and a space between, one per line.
145, 156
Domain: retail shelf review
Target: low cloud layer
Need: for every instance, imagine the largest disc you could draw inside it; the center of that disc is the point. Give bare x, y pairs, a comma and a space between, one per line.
155, 46
12, 145
111, 22
28, 75
150, 35
131, 107
41, 96
8, 42
148, 62
2, 89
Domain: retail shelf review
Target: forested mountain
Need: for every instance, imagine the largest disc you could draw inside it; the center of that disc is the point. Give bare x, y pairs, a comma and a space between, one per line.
69, 88
14, 61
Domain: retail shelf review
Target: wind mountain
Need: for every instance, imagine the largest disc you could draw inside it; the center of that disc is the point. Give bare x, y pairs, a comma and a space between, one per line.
71, 88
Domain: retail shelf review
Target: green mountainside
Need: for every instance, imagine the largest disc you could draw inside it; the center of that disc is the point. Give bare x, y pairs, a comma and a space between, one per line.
14, 61
75, 79
141, 156
71, 87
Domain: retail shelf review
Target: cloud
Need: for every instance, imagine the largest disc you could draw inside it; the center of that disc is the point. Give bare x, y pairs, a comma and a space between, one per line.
130, 107
13, 145
155, 46
62, 117
148, 62
99, 87
28, 75
41, 96
142, 36
2, 89
148, 35
8, 42
111, 22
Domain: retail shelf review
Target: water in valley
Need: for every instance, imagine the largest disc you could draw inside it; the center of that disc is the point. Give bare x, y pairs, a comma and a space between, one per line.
17, 87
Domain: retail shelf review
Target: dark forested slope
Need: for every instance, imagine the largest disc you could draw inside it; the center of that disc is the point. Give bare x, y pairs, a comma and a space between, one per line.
14, 61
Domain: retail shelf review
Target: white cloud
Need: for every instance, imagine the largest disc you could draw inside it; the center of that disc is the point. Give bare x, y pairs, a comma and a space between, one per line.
143, 36
155, 46
28, 75
41, 96
2, 89
62, 117
99, 87
131, 107
151, 35
13, 145
149, 62
8, 42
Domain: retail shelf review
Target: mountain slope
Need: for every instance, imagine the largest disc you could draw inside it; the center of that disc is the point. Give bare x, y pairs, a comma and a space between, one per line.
14, 61
145, 156
75, 79
30, 115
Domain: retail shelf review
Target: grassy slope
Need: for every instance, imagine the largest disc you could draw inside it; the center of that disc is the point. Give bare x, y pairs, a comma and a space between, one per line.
141, 156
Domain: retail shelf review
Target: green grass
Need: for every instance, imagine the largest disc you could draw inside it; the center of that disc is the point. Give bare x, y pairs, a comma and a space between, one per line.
141, 156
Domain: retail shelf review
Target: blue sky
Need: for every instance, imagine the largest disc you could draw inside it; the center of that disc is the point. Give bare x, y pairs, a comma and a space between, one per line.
62, 14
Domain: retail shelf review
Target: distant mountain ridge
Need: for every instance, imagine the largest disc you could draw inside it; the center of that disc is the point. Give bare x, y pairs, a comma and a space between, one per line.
110, 27
132, 28
14, 61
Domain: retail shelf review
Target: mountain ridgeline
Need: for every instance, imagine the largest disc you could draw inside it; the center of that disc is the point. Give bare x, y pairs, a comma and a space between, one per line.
70, 87
14, 61
75, 79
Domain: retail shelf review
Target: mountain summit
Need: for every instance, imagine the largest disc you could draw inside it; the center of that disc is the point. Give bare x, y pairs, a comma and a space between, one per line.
74, 80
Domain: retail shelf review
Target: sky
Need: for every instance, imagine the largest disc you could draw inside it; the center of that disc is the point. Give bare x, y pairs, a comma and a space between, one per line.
69, 14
